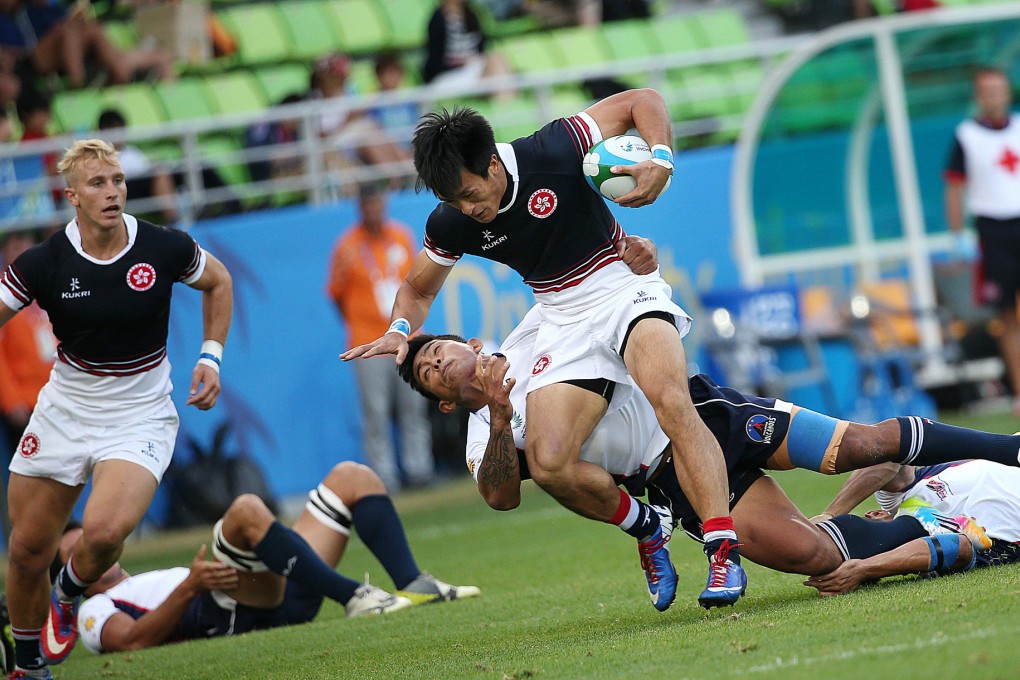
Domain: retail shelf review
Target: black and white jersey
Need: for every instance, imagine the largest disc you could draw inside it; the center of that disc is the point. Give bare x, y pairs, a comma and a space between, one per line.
988, 160
551, 228
110, 317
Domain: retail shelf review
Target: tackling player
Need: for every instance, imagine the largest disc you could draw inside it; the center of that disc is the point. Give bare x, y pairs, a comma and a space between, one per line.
264, 575
988, 492
753, 432
527, 205
105, 280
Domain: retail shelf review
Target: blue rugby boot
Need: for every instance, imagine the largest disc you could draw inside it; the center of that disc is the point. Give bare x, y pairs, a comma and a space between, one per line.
659, 570
60, 631
726, 579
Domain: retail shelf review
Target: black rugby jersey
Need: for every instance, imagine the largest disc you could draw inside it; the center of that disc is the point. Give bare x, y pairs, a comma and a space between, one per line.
110, 318
555, 231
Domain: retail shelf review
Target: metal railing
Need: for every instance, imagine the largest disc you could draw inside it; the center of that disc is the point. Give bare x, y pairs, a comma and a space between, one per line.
319, 182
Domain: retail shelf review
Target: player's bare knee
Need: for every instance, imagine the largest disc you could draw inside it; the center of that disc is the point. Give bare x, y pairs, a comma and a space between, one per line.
247, 517
29, 556
548, 466
352, 481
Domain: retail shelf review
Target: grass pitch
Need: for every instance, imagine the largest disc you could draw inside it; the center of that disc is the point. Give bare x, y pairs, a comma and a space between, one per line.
565, 598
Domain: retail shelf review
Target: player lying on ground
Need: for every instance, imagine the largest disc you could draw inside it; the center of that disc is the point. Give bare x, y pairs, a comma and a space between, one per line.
753, 432
527, 204
264, 575
988, 492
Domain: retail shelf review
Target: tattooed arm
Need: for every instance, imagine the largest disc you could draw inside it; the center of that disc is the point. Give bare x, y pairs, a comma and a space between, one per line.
499, 474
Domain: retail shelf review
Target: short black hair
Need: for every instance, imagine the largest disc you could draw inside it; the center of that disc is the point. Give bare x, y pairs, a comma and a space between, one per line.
57, 564
387, 59
31, 101
111, 118
406, 369
445, 143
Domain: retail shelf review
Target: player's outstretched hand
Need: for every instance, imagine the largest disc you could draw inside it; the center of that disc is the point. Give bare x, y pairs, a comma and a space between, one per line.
491, 372
211, 575
638, 253
391, 343
205, 387
842, 580
651, 178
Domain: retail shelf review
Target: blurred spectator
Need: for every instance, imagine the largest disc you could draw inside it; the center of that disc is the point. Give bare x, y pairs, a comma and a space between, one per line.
27, 351
35, 111
369, 261
621, 10
398, 120
560, 13
985, 159
10, 81
55, 40
146, 179
286, 131
143, 179
455, 48
352, 133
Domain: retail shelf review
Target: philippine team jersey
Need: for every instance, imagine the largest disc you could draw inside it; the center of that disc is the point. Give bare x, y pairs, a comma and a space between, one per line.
987, 491
551, 228
134, 596
626, 443
110, 317
988, 159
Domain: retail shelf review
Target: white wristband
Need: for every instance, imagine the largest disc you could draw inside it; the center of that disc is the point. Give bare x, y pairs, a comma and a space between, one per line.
401, 325
662, 155
211, 354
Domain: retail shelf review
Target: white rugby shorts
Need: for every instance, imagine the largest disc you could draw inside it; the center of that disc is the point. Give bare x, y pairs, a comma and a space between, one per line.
590, 347
60, 447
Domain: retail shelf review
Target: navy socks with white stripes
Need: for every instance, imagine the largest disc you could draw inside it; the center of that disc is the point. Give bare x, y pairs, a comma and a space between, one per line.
858, 538
925, 442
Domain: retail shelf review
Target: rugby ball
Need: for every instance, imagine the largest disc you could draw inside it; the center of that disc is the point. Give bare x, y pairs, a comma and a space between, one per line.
619, 150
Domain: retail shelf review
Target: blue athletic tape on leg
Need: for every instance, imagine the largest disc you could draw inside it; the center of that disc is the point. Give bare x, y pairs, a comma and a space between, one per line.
944, 551
809, 437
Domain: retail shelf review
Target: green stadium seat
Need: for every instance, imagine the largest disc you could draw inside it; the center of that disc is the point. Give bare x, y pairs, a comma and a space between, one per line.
235, 92
260, 33
630, 39
582, 46
677, 34
359, 26
279, 81
511, 119
362, 76
221, 152
531, 53
77, 110
310, 24
408, 21
137, 102
185, 98
567, 102
722, 27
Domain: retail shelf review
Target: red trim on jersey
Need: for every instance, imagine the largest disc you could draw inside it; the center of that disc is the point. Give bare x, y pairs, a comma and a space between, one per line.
569, 278
11, 279
580, 134
431, 246
954, 177
193, 267
125, 367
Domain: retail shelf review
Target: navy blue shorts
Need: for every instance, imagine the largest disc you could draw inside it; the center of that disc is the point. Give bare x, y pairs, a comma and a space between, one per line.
749, 429
205, 618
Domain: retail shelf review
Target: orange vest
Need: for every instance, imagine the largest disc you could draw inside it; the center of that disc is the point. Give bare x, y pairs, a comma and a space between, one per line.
364, 274
27, 349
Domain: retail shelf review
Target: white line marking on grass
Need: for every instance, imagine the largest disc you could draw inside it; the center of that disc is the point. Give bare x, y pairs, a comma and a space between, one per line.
935, 641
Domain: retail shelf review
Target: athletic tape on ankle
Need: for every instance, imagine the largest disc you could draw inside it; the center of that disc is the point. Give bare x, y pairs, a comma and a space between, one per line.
244, 560
326, 506
944, 551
